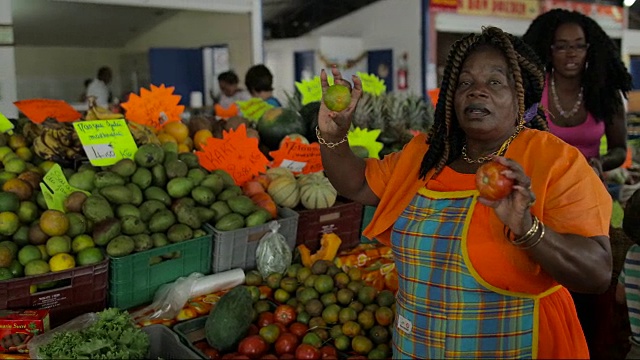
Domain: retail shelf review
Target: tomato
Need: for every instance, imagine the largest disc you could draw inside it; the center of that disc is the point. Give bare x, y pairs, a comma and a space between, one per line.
298, 329
253, 346
211, 353
285, 314
269, 357
234, 356
202, 345
286, 344
307, 352
491, 184
253, 330
329, 352
282, 328
287, 357
265, 319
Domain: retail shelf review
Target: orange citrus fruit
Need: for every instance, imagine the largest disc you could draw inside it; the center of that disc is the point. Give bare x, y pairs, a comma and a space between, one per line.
177, 129
182, 148
337, 97
54, 223
165, 138
200, 138
19, 187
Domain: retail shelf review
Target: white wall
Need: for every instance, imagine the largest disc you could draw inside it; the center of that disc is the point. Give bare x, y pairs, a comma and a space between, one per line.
278, 57
59, 72
195, 29
386, 24
630, 44
7, 68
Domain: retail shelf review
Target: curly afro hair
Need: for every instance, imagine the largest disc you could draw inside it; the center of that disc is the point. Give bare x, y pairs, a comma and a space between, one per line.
604, 79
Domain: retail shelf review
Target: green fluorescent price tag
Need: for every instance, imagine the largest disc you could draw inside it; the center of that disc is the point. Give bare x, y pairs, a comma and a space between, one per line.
367, 139
253, 108
106, 141
6, 126
311, 90
372, 84
56, 188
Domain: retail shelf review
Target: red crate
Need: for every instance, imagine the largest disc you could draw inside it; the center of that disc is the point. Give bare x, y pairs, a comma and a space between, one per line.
80, 290
343, 219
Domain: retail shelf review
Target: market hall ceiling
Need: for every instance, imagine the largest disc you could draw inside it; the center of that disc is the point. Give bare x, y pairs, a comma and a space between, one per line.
293, 18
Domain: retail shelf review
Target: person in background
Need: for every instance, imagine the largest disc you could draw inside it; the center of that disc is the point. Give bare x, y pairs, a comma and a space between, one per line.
83, 96
259, 82
230, 91
628, 289
585, 84
481, 278
99, 87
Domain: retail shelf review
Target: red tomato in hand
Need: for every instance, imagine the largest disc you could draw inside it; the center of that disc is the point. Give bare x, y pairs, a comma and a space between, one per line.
286, 344
265, 318
253, 346
491, 184
285, 314
298, 329
307, 352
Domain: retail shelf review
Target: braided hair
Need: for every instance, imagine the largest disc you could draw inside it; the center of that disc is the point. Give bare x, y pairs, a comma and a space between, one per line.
604, 78
445, 137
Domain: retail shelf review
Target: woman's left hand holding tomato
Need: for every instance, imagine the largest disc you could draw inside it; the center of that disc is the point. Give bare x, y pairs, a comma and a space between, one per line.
513, 210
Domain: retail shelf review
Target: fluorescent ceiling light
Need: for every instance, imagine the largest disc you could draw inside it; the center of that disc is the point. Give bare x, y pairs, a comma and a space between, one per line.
629, 3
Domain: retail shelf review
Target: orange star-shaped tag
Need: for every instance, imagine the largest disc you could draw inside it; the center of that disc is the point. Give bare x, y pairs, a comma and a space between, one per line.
39, 110
235, 153
154, 107
298, 157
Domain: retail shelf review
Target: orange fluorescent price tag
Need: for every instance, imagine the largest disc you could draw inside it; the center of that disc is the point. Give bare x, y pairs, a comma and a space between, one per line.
39, 110
235, 153
154, 107
298, 157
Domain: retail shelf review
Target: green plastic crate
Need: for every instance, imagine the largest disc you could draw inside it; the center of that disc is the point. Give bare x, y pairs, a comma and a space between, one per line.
133, 280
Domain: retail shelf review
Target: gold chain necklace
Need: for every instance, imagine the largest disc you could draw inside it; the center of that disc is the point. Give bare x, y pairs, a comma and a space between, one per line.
499, 152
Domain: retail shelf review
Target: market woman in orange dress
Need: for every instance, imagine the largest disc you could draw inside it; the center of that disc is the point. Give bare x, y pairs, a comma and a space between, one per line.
480, 278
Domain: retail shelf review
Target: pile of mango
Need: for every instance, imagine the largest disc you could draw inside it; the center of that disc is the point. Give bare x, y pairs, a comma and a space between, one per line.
34, 239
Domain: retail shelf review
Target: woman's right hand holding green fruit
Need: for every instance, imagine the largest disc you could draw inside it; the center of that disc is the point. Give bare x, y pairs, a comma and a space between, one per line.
334, 125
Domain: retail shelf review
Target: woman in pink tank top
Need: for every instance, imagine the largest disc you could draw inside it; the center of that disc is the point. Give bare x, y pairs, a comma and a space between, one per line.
584, 85
582, 98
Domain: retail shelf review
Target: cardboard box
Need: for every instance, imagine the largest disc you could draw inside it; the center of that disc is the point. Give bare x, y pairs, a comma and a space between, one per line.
18, 327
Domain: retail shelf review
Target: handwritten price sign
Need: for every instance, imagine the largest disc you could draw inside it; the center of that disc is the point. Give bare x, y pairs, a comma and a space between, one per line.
254, 108
367, 139
56, 188
106, 141
298, 157
6, 126
235, 153
39, 110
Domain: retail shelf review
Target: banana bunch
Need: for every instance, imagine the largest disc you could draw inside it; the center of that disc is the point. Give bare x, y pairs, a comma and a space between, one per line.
31, 130
58, 142
142, 134
96, 112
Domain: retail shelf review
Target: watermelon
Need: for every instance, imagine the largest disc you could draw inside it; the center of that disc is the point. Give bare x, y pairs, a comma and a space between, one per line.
309, 115
277, 123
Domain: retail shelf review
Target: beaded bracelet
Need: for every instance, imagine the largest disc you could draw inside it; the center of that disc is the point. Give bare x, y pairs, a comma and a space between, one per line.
328, 144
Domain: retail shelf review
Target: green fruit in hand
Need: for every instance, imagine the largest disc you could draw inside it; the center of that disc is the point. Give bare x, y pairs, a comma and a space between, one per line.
337, 97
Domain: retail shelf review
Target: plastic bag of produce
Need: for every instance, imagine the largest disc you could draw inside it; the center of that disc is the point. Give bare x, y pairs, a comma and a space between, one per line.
273, 255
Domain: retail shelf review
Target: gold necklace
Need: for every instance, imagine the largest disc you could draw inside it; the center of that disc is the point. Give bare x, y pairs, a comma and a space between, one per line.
499, 152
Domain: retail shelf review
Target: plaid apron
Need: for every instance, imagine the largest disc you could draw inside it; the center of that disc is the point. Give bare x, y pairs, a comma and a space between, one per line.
443, 308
